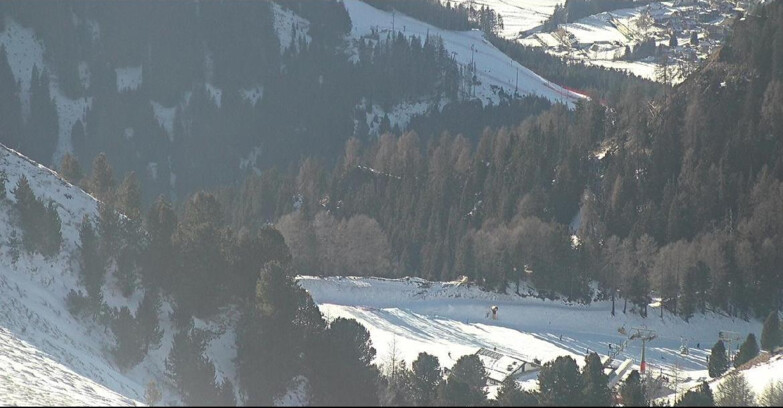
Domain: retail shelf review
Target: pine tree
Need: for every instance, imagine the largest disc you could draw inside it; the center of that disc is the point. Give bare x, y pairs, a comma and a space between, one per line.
70, 169
718, 361
734, 391
3, 180
147, 320
91, 270
343, 373
157, 262
128, 351
596, 384
51, 234
101, 181
632, 391
560, 382
192, 372
465, 383
700, 396
109, 229
771, 334
748, 351
427, 377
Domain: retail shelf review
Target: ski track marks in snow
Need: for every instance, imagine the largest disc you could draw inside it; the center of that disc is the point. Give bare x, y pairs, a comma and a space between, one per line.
445, 318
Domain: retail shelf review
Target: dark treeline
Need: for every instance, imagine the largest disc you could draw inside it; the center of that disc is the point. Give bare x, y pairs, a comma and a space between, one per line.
446, 16
574, 10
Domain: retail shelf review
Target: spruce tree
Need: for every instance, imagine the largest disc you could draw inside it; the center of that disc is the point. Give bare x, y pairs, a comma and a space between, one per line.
157, 262
427, 377
748, 351
92, 272
147, 320
718, 361
596, 384
771, 333
465, 383
343, 373
560, 382
51, 234
191, 371
129, 350
632, 391
3, 180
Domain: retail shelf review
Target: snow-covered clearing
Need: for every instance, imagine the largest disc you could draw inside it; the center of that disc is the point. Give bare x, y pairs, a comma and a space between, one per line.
449, 319
129, 78
289, 26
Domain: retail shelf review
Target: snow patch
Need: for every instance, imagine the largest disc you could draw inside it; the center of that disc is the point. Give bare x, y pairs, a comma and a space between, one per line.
128, 78
288, 26
24, 51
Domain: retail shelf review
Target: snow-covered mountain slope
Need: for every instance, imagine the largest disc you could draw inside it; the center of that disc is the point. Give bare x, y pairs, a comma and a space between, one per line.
494, 70
65, 360
449, 319
30, 377
42, 337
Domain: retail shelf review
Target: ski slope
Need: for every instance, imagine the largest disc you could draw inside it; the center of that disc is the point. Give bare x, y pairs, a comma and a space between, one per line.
495, 70
449, 319
30, 377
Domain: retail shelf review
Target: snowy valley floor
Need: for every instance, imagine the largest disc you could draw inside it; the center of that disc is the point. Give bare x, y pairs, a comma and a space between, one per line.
448, 320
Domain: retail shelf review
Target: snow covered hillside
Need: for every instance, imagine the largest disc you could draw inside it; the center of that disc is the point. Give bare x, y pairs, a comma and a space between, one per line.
449, 319
42, 342
61, 359
495, 70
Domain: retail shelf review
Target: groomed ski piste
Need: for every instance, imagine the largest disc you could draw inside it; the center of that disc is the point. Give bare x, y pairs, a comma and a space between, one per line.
450, 319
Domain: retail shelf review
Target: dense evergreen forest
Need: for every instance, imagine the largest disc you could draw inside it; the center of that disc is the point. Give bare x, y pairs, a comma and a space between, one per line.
675, 194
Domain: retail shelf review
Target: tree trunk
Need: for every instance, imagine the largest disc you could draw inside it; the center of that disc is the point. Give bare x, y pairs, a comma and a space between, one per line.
625, 305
